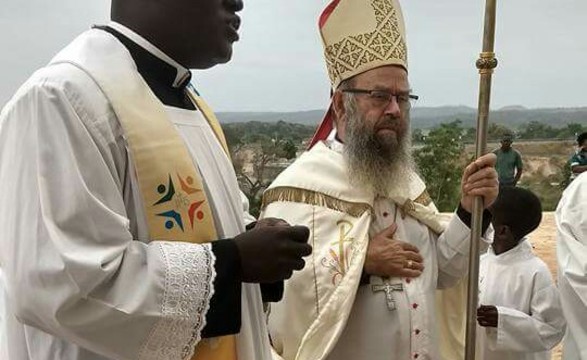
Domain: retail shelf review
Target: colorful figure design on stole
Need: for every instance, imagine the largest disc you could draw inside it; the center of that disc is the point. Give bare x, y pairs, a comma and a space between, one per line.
184, 203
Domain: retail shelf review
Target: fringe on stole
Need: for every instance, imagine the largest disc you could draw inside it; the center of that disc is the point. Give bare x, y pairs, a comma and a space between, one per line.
298, 195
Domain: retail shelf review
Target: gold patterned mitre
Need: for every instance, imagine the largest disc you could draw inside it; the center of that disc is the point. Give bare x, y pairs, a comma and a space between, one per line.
360, 35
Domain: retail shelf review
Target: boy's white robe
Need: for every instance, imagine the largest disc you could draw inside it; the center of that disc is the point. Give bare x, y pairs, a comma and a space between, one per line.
530, 320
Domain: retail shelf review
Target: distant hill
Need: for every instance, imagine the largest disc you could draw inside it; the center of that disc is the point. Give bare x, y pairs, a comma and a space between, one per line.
428, 117
513, 107
312, 117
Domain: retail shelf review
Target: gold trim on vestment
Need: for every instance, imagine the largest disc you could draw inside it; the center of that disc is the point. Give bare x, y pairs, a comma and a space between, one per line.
298, 195
423, 199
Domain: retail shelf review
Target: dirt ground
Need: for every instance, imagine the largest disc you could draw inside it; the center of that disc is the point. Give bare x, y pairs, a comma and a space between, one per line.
544, 242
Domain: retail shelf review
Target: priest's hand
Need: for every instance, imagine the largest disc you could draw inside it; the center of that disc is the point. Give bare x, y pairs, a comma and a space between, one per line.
487, 316
480, 179
388, 257
271, 253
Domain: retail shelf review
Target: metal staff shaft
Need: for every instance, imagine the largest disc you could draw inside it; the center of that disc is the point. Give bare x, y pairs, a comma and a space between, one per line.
486, 63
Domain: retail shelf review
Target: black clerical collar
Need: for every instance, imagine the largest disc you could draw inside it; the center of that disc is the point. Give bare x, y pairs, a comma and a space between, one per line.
167, 78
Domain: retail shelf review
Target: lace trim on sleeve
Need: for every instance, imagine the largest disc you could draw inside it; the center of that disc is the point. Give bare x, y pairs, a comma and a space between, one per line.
189, 280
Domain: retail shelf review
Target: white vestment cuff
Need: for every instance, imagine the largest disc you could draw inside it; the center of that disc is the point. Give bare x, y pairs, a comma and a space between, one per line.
189, 279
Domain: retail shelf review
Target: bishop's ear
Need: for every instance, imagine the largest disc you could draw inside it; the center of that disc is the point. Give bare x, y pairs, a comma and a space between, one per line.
338, 104
339, 114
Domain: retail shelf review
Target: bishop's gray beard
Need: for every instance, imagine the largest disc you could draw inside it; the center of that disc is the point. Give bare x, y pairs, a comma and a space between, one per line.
370, 164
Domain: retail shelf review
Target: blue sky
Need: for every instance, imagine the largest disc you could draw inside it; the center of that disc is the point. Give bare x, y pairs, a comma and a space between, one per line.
278, 63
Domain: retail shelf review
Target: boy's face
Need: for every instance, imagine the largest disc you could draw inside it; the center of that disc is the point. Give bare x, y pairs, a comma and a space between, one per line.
503, 239
498, 237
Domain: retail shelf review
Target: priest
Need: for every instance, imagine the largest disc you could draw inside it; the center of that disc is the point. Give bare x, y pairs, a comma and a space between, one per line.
380, 248
116, 180
571, 255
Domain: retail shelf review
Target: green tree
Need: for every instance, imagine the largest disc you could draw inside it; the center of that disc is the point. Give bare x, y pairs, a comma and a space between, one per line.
254, 132
470, 135
571, 131
440, 162
417, 136
537, 130
256, 166
290, 150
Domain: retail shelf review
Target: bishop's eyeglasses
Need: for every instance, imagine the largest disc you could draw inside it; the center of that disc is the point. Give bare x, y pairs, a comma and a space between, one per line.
382, 98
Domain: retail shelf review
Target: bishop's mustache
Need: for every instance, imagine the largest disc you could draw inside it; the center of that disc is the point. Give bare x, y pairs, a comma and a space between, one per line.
389, 122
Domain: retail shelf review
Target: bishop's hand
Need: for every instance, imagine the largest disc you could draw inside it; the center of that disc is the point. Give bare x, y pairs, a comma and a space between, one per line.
487, 316
480, 179
388, 257
272, 251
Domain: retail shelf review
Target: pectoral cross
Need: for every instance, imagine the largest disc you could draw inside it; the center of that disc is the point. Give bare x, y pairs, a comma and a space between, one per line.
389, 289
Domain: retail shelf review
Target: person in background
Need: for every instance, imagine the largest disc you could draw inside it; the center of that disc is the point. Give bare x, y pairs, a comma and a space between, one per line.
578, 161
520, 311
509, 163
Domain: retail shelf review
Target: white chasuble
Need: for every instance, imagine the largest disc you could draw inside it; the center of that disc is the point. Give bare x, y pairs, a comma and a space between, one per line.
83, 279
326, 313
530, 320
571, 253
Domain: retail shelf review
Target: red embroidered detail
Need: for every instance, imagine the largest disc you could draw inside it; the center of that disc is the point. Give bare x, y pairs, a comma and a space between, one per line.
417, 331
416, 356
408, 280
415, 306
192, 210
385, 214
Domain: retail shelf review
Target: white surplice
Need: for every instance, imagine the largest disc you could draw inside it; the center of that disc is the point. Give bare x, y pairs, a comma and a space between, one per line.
530, 320
571, 226
328, 315
82, 280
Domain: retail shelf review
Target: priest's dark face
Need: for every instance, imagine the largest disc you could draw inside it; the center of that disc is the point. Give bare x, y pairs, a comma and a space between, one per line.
376, 135
197, 33
203, 30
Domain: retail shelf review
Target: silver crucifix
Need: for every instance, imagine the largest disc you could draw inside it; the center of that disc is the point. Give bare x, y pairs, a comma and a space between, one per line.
389, 289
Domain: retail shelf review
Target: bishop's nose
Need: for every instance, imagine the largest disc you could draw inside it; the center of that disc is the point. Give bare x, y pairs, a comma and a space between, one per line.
393, 109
